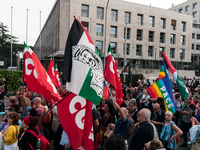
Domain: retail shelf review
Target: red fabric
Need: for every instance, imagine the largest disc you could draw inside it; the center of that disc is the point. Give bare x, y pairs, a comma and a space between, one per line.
12, 104
27, 121
75, 114
51, 73
57, 78
112, 76
36, 77
169, 64
106, 92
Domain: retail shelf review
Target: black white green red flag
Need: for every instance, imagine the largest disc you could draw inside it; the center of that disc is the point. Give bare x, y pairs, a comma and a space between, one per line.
179, 82
83, 68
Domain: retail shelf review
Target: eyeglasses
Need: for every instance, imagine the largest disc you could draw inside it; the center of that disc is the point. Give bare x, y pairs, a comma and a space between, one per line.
131, 105
139, 114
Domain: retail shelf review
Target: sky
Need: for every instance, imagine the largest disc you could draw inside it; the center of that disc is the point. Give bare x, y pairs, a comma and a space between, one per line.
19, 17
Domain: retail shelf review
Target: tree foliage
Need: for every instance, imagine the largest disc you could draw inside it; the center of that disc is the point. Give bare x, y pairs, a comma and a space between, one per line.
12, 78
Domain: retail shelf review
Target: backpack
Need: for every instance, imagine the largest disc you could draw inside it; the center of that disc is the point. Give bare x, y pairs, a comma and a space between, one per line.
44, 141
46, 118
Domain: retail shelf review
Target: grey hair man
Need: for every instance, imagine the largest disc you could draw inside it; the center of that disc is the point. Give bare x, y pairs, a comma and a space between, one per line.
144, 132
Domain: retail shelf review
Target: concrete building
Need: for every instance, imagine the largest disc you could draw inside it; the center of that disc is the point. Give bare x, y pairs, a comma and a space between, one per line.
192, 8
150, 30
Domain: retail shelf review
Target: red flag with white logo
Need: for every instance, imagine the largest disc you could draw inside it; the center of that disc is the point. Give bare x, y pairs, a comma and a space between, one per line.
75, 114
51, 73
57, 78
111, 75
36, 77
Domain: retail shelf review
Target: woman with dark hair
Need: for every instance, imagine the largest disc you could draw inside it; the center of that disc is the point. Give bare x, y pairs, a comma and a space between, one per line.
11, 134
32, 112
109, 117
115, 142
27, 140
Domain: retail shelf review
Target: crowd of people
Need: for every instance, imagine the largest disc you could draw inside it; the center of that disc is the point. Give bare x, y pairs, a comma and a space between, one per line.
140, 122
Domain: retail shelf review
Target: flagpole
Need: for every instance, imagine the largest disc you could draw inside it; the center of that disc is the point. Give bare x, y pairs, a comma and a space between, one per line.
40, 37
11, 39
105, 35
27, 28
52, 107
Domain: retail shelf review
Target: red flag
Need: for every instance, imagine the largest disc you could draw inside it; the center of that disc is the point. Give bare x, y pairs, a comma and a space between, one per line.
57, 78
36, 77
75, 114
111, 75
51, 73
105, 91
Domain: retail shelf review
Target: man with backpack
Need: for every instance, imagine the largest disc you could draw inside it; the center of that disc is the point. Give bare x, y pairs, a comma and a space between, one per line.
40, 111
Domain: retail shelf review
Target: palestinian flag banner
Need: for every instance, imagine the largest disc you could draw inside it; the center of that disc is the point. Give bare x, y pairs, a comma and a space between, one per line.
179, 82
83, 69
163, 88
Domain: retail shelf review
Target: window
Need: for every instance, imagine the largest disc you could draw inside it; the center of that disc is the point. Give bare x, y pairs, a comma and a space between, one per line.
127, 17
183, 26
192, 46
99, 46
140, 19
194, 6
162, 37
128, 33
84, 11
86, 25
172, 52
100, 13
139, 50
183, 39
127, 48
180, 10
193, 36
151, 36
173, 24
114, 15
162, 23
99, 30
182, 54
150, 51
197, 47
198, 36
151, 21
113, 46
113, 32
139, 35
173, 39
161, 49
187, 8
194, 14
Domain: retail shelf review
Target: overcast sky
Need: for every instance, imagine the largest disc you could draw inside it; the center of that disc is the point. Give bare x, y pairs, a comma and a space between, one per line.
35, 6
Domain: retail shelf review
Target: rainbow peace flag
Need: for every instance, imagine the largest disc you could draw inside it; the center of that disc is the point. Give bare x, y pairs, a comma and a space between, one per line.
163, 88
163, 71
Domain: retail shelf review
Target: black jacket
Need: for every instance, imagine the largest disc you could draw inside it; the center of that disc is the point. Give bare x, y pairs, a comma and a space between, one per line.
142, 135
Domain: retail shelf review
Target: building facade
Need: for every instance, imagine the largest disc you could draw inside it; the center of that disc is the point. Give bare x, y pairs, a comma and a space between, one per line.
192, 8
150, 30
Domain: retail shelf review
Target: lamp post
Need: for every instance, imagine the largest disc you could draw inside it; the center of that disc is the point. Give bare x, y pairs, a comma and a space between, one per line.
11, 40
125, 47
105, 35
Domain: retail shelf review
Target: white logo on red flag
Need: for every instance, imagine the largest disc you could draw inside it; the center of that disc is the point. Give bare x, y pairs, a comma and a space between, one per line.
36, 78
75, 114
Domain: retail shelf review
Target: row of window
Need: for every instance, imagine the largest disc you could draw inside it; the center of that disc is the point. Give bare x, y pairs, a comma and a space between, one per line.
197, 36
99, 45
197, 46
113, 34
114, 17
187, 8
